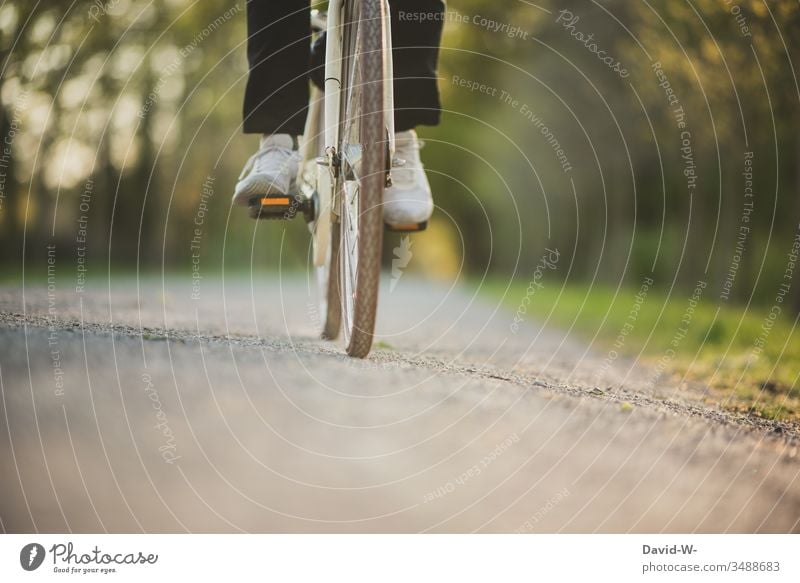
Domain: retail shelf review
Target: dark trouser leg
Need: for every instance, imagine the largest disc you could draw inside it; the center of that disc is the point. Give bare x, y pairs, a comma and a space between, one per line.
276, 95
277, 90
416, 34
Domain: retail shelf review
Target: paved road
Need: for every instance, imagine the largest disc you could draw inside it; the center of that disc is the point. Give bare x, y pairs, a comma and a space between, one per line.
133, 407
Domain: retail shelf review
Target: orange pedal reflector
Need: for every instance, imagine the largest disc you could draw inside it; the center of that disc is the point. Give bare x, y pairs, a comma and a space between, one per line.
272, 201
410, 227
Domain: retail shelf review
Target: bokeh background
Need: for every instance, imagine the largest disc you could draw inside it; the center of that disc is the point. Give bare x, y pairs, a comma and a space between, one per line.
116, 113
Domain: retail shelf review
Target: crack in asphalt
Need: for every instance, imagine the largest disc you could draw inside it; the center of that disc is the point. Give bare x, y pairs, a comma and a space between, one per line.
779, 430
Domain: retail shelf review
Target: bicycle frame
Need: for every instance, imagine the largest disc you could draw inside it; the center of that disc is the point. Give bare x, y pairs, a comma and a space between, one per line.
330, 114
333, 75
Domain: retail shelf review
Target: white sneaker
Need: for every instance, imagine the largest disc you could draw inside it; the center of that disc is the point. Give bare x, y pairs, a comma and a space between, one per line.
408, 201
271, 170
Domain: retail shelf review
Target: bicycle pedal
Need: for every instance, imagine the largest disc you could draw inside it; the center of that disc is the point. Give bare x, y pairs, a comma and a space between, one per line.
281, 207
409, 228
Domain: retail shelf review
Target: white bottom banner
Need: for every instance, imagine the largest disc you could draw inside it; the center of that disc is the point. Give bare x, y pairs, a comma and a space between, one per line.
355, 558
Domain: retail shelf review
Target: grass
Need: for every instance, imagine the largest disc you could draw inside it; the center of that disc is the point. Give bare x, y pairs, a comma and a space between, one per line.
748, 362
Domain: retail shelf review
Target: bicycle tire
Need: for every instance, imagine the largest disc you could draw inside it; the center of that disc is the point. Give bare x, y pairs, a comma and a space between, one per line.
359, 286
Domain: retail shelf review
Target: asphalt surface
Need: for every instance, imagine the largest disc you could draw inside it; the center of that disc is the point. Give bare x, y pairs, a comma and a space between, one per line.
133, 407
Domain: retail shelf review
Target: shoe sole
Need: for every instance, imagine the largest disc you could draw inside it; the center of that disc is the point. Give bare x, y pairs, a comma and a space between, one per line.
261, 188
407, 228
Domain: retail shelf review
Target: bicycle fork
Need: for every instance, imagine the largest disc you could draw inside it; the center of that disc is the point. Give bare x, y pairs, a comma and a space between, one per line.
332, 158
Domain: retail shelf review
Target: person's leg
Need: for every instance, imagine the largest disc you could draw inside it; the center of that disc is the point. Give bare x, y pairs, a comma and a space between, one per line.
276, 95
416, 34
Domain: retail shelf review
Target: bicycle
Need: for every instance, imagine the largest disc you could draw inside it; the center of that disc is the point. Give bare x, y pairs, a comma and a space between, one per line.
347, 151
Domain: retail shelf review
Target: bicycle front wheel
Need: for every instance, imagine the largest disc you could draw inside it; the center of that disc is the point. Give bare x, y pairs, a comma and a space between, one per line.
362, 179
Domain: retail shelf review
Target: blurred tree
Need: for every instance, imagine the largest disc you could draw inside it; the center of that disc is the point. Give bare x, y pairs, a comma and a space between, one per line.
144, 99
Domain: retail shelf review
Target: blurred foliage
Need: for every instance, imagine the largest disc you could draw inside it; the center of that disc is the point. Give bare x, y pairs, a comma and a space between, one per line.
715, 359
630, 213
143, 99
